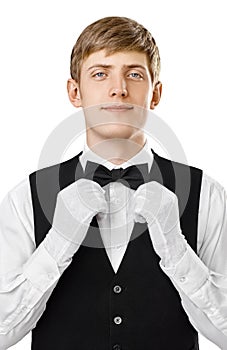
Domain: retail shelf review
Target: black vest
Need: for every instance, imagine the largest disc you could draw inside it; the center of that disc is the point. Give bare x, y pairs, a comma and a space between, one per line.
138, 308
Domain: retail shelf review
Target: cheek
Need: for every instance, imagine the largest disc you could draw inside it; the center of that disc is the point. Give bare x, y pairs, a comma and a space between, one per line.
142, 93
92, 95
143, 98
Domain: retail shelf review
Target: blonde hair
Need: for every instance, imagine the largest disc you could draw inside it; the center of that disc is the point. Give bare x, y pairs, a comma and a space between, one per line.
115, 34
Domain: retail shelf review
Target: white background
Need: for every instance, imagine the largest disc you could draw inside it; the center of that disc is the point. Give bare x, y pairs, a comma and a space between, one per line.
36, 42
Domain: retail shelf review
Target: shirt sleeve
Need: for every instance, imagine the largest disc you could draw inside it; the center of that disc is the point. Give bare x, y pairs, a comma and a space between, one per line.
27, 275
201, 279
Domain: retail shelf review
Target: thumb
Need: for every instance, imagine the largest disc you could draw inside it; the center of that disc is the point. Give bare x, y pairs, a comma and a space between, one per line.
137, 216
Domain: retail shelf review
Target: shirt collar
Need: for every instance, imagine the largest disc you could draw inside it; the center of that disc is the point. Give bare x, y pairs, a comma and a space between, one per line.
145, 155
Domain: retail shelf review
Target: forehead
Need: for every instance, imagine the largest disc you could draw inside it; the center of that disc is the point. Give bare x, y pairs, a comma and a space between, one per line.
121, 58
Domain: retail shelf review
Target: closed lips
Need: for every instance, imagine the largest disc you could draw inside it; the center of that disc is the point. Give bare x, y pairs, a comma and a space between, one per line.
119, 108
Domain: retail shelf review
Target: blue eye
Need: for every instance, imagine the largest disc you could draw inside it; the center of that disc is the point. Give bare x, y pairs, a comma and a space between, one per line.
99, 74
135, 75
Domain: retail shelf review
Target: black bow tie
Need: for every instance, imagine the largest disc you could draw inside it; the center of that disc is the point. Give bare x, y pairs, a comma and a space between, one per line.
133, 176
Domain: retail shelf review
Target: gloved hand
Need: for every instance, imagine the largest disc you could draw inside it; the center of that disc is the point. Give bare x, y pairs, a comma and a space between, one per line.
158, 206
75, 207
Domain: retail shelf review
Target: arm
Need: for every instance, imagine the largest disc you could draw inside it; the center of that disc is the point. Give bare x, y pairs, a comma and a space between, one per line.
204, 289
21, 302
29, 275
200, 280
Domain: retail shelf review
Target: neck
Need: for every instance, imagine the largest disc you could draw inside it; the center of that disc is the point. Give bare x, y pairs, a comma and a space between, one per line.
117, 151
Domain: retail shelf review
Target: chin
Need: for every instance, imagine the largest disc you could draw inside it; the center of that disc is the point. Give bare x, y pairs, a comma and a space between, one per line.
113, 131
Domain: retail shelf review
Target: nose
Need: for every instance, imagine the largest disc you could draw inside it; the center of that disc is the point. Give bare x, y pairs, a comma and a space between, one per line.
119, 89
119, 92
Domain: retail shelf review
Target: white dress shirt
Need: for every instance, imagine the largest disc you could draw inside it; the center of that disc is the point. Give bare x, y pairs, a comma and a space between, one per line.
29, 275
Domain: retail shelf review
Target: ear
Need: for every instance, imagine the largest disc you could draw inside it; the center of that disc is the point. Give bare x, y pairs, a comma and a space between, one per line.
74, 93
157, 92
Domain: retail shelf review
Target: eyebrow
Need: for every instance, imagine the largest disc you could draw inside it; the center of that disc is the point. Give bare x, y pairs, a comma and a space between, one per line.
135, 66
101, 65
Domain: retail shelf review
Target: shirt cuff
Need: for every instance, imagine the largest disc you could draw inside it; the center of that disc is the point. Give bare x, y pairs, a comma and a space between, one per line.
189, 274
41, 269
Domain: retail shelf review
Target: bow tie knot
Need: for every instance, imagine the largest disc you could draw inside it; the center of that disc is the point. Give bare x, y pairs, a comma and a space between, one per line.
134, 175
117, 174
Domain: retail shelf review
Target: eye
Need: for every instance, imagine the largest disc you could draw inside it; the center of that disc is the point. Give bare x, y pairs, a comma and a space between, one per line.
99, 75
136, 75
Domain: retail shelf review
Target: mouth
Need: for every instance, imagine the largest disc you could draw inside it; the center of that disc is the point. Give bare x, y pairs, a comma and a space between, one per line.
117, 108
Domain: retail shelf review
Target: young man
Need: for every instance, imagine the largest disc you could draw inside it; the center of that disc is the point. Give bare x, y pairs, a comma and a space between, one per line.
103, 251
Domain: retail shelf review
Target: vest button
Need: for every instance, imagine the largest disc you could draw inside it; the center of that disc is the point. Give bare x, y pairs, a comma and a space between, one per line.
116, 347
117, 289
117, 320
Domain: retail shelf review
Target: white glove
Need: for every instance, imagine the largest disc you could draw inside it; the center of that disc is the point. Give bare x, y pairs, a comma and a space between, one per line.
76, 205
158, 206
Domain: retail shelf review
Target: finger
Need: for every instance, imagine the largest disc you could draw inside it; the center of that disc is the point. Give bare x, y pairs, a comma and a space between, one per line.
147, 208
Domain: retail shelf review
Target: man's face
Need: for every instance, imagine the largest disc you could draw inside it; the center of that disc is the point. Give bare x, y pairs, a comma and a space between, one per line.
122, 77
115, 92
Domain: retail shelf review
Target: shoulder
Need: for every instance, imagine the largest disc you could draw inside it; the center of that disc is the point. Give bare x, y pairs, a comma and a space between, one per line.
55, 169
178, 174
175, 164
49, 178
20, 192
211, 189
